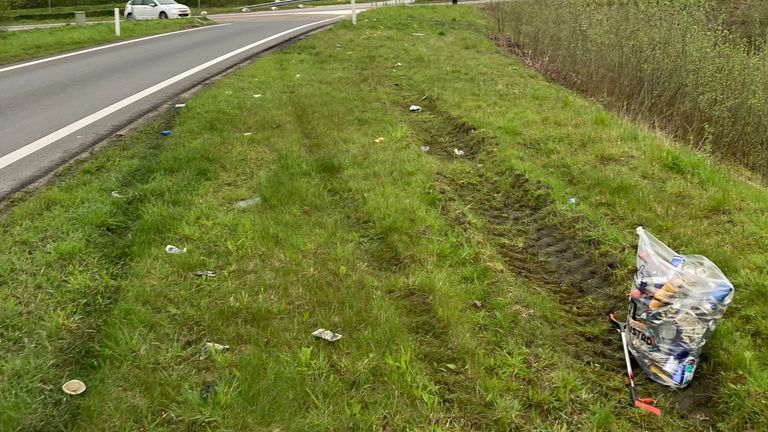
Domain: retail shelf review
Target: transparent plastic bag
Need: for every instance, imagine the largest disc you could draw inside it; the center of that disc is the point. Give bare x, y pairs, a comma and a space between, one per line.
675, 305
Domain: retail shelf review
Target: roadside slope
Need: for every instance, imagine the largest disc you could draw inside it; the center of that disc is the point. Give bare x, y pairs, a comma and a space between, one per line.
471, 296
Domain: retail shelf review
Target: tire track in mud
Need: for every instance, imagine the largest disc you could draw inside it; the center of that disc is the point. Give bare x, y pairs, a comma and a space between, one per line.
535, 240
539, 243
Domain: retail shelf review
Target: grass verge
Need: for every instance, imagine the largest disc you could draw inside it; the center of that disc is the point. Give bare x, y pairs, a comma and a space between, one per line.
470, 294
28, 44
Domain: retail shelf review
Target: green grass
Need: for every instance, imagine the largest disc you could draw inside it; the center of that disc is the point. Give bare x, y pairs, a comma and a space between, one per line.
28, 44
451, 321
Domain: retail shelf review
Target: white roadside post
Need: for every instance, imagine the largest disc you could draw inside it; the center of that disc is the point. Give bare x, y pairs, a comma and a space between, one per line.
117, 22
354, 13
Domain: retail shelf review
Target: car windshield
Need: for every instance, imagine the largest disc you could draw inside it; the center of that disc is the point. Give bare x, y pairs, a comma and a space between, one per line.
165, 2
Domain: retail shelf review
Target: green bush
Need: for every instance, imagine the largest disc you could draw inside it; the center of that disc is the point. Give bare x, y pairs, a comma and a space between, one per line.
664, 61
20, 15
5, 7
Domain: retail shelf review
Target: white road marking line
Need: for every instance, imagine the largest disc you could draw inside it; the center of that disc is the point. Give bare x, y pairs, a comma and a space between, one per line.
85, 121
47, 59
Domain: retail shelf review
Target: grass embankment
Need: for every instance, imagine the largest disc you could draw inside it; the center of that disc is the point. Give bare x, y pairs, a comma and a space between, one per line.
469, 294
28, 44
671, 64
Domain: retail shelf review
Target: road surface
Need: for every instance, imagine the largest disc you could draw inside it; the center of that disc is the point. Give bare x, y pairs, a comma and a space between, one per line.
52, 110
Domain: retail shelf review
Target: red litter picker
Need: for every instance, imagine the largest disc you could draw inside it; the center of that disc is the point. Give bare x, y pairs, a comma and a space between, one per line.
642, 403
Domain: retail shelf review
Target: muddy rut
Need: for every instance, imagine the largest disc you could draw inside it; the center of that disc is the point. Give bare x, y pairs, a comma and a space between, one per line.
540, 243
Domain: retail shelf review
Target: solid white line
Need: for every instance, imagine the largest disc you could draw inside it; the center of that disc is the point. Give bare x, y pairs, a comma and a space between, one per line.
104, 47
85, 121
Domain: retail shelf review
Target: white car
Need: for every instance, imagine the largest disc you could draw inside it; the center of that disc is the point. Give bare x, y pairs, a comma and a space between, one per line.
151, 9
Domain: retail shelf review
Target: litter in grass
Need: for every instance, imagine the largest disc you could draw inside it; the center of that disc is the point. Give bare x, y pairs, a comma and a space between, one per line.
458, 152
477, 304
247, 133
211, 347
116, 194
425, 148
73, 387
257, 95
417, 34
245, 9
305, 210
247, 202
181, 105
205, 273
171, 249
398, 64
166, 132
326, 334
274, 8
571, 200
204, 13
675, 305
379, 140
208, 390
301, 6
415, 108
298, 75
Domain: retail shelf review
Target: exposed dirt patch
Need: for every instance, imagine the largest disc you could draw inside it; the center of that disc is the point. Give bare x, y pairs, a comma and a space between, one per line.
539, 243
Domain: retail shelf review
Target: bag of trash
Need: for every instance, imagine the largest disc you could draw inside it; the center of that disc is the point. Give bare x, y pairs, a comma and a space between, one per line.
674, 306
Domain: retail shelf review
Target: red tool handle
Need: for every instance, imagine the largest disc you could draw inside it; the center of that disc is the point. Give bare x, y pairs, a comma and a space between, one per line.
644, 406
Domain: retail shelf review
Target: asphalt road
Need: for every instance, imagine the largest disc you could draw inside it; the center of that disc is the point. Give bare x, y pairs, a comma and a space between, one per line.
53, 110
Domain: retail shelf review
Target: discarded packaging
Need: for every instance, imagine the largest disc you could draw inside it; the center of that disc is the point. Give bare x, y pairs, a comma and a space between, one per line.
247, 202
247, 133
398, 64
182, 105
257, 95
571, 200
274, 8
73, 387
116, 194
301, 6
458, 152
415, 108
204, 13
417, 34
205, 273
425, 148
171, 249
210, 347
379, 140
166, 132
326, 334
674, 306
208, 390
245, 9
